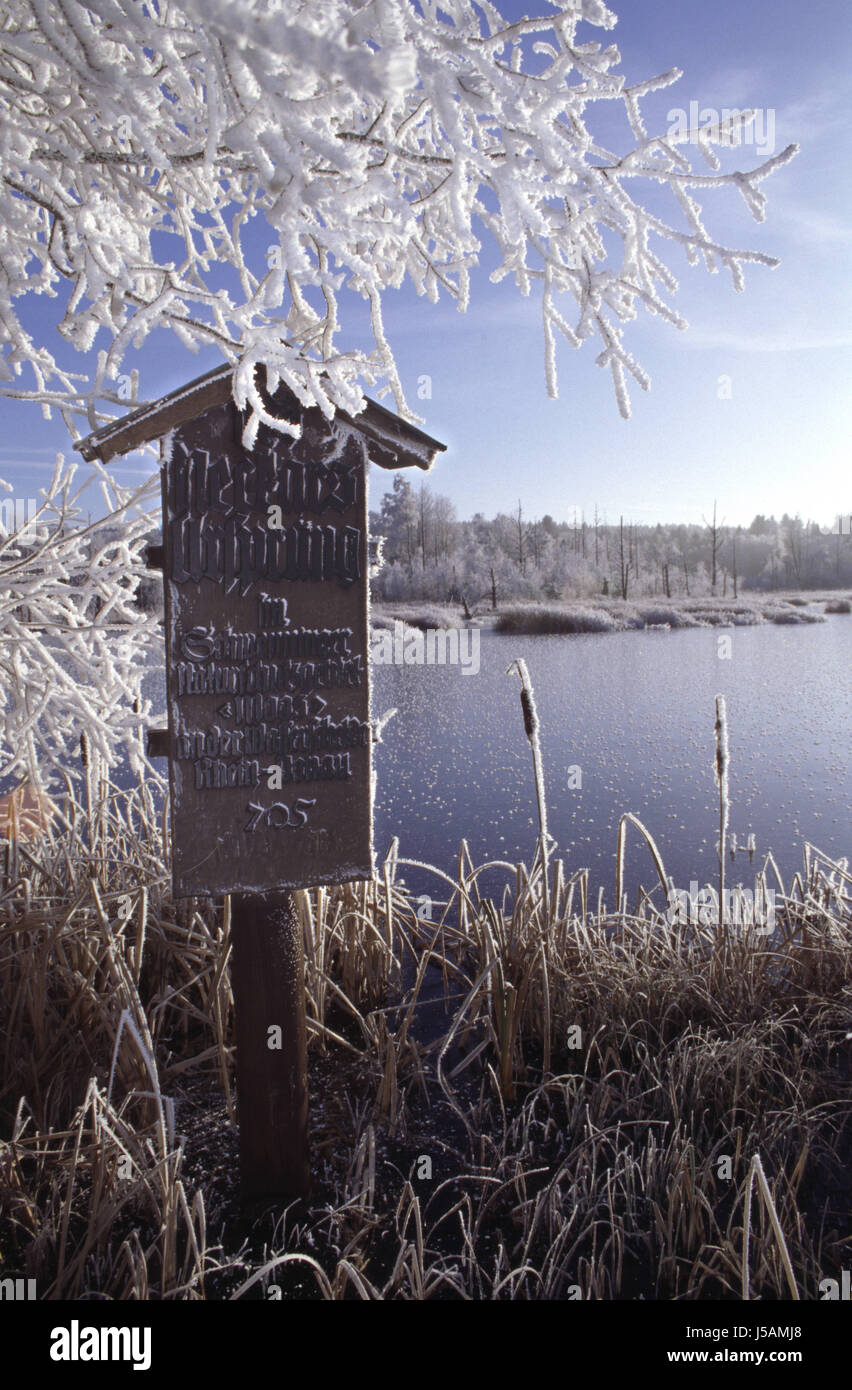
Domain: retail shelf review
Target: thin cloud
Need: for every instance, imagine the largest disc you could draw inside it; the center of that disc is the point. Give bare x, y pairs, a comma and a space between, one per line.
704, 338
814, 116
735, 87
811, 225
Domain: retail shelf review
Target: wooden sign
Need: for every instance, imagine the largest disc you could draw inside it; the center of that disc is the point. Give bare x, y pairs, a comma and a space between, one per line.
269, 742
266, 573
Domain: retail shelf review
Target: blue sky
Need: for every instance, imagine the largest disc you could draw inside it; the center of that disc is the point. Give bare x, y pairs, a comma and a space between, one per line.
771, 438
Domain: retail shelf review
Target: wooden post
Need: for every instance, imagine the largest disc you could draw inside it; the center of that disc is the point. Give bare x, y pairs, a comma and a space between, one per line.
268, 979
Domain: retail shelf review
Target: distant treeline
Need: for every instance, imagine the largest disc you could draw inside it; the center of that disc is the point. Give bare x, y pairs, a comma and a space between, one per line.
428, 553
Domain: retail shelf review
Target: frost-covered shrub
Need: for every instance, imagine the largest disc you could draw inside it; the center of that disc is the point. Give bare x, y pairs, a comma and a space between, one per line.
661, 614
421, 615
790, 616
543, 619
74, 643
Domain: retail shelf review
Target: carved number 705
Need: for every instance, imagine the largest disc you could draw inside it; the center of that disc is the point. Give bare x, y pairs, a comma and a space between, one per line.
278, 816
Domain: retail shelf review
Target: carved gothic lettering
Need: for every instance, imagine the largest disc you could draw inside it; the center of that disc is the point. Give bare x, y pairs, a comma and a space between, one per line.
266, 630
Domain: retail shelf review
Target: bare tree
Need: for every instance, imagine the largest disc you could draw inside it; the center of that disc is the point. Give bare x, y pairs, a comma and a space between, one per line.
521, 542
424, 520
444, 527
624, 560
684, 562
796, 537
535, 537
734, 559
716, 538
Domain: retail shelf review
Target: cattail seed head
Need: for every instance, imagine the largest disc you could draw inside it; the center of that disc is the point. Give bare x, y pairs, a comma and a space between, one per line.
530, 716
721, 728
721, 769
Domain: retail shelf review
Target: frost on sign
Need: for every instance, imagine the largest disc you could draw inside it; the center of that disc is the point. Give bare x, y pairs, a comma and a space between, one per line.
265, 558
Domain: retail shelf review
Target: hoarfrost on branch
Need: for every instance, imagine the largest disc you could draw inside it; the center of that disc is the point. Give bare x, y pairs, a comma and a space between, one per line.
144, 146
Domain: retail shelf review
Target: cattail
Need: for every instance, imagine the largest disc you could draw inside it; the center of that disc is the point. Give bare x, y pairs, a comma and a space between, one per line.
531, 727
722, 760
530, 714
722, 755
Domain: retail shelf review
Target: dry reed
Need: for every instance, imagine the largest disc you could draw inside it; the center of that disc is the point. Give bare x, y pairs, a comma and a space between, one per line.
527, 1098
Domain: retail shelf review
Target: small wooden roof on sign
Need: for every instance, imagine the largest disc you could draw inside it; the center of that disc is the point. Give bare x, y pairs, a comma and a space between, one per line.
393, 442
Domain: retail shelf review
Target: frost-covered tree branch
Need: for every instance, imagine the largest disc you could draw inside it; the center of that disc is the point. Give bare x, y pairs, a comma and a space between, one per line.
144, 147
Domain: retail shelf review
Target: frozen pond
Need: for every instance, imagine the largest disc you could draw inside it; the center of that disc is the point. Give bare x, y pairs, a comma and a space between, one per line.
633, 713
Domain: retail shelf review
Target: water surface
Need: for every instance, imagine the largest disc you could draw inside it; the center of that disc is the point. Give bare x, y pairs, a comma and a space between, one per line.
634, 712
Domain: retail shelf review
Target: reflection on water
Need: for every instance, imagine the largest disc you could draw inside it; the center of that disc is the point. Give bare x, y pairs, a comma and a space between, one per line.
633, 713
